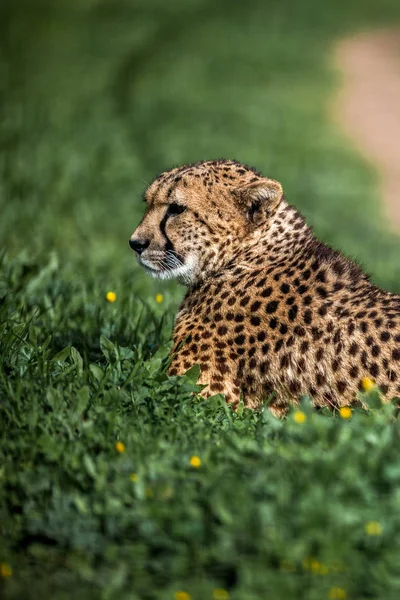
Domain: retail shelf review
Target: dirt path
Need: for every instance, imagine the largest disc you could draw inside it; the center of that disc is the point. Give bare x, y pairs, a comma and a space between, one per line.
369, 105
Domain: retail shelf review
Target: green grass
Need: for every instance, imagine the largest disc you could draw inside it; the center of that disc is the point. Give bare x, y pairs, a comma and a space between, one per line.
97, 97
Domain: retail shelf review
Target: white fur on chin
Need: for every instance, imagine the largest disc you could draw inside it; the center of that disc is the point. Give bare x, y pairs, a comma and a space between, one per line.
184, 274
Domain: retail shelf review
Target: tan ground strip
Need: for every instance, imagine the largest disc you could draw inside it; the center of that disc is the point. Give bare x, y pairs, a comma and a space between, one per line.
368, 106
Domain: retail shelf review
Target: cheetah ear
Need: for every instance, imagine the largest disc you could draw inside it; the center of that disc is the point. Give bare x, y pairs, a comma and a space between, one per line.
259, 199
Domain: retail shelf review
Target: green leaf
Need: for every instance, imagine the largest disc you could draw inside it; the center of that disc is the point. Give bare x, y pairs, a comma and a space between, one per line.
82, 399
62, 355
108, 349
372, 399
81, 504
90, 466
153, 365
77, 360
163, 351
192, 375
97, 372
46, 342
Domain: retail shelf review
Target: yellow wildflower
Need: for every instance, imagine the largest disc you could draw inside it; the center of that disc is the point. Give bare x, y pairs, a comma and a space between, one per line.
337, 593
182, 596
367, 384
111, 296
345, 412
318, 568
220, 594
120, 447
5, 570
195, 461
373, 528
133, 477
159, 298
313, 565
299, 416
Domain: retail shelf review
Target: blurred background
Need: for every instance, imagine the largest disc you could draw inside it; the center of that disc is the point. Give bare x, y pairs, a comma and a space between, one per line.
99, 96
116, 482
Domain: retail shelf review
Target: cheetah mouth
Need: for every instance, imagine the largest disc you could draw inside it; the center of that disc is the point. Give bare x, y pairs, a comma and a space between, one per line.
162, 263
162, 268
159, 271
152, 268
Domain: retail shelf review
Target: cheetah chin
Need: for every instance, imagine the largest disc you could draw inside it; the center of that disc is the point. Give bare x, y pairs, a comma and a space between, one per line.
184, 273
270, 311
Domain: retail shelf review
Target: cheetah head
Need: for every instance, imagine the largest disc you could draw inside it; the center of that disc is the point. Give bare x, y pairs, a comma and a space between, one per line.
198, 216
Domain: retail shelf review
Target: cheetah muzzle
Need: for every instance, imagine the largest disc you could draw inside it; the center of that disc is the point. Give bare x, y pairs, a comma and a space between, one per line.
269, 308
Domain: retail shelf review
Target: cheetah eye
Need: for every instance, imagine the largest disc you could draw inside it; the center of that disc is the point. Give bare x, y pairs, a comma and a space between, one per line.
175, 209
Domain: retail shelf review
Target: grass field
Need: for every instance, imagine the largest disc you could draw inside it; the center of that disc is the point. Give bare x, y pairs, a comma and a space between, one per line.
117, 482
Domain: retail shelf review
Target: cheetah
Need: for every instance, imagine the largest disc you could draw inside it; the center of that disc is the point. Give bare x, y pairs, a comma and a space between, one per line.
270, 311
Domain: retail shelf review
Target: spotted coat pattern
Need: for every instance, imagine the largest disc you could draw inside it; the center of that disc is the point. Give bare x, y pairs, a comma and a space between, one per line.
269, 308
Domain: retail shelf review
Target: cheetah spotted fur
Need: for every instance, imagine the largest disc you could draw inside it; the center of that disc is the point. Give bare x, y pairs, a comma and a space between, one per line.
269, 308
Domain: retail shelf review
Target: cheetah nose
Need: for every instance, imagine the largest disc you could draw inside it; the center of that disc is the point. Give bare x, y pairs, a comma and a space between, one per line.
138, 246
